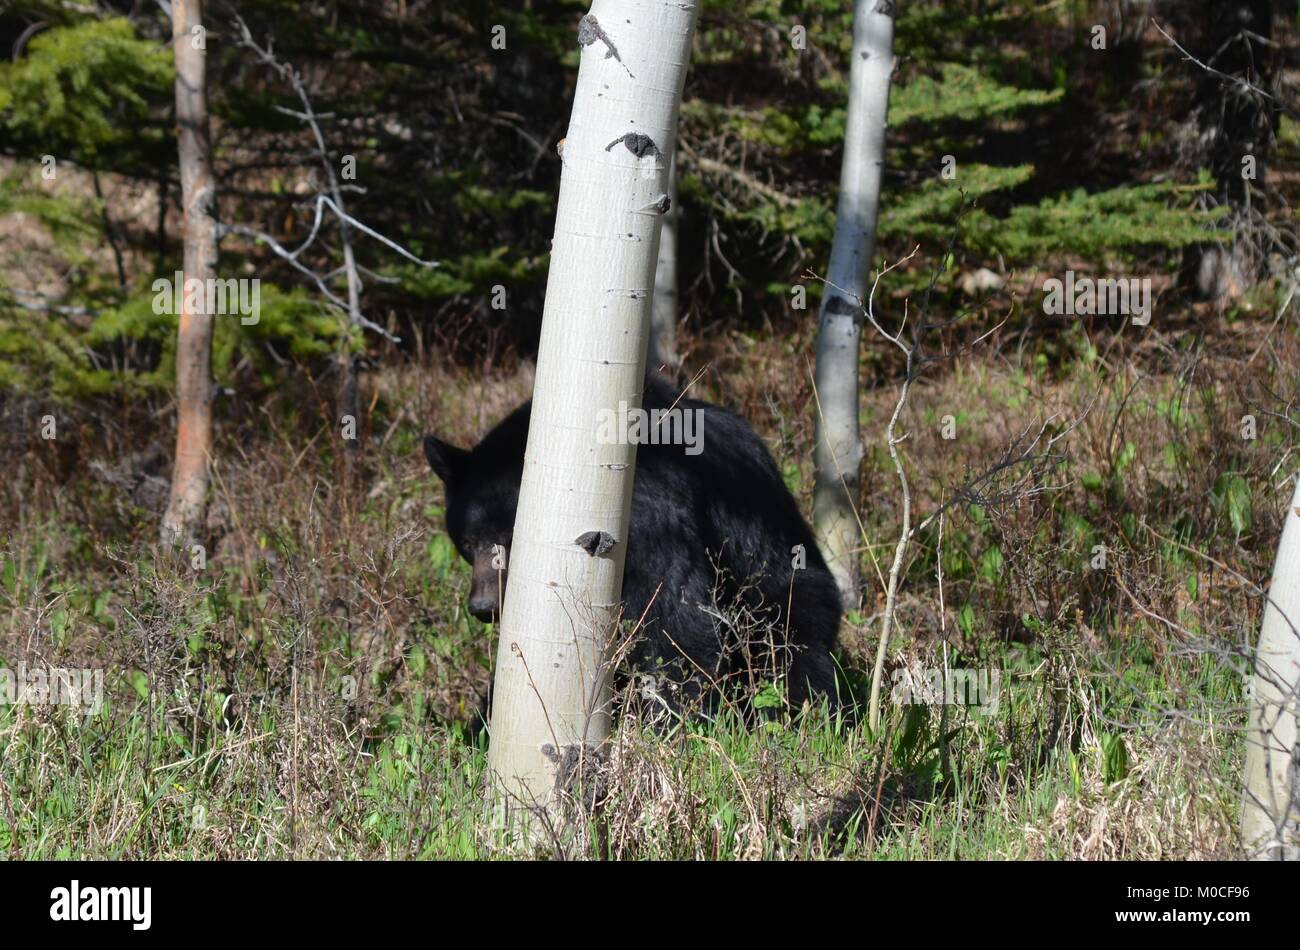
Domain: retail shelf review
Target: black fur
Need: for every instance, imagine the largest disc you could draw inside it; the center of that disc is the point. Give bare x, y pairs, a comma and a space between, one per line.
713, 532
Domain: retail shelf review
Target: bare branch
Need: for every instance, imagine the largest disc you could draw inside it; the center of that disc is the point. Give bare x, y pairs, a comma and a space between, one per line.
333, 200
1243, 84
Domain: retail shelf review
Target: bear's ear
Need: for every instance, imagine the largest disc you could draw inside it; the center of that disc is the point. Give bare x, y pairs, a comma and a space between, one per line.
444, 458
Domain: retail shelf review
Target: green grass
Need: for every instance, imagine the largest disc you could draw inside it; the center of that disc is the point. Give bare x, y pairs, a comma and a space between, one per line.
286, 779
308, 692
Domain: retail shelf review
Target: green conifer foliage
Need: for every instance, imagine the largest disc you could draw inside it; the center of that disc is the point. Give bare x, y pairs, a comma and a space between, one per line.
85, 92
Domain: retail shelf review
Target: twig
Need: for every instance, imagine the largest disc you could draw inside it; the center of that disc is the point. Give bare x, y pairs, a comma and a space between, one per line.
45, 307
891, 590
1231, 80
333, 200
750, 182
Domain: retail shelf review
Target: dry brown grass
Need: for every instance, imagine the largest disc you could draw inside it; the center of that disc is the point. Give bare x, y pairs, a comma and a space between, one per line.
247, 718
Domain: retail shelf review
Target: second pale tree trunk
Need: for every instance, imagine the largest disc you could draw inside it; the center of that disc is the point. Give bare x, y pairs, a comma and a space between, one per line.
839, 446
189, 486
550, 703
663, 320
1270, 812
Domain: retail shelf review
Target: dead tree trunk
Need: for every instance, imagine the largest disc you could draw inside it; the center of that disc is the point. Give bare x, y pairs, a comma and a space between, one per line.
1232, 131
189, 486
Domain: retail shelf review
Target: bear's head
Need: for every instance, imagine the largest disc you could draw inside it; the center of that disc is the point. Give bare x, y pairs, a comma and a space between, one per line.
482, 489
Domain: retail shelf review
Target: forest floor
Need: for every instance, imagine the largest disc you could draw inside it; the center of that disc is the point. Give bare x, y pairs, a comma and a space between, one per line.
307, 690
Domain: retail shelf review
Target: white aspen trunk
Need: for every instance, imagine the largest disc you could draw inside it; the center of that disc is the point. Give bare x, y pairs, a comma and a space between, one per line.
1270, 808
551, 692
189, 486
663, 320
839, 446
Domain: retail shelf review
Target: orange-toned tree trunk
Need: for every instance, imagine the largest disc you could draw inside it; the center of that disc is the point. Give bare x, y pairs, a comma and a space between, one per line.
189, 486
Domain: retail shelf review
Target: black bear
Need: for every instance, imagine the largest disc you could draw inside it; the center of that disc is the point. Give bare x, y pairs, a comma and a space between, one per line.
721, 568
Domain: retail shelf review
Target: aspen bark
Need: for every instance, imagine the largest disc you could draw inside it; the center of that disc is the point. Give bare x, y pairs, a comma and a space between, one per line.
839, 447
551, 692
663, 320
1270, 808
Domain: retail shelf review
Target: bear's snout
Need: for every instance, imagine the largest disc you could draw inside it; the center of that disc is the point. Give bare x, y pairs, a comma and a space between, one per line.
484, 609
487, 590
